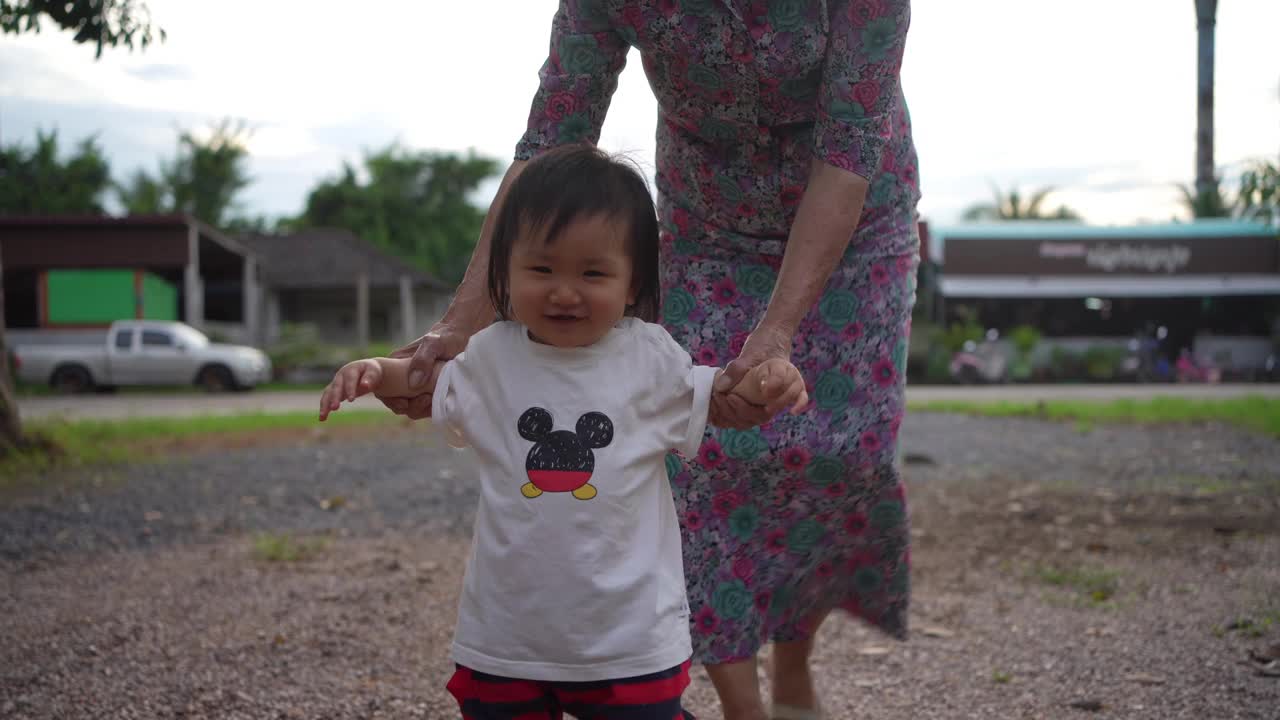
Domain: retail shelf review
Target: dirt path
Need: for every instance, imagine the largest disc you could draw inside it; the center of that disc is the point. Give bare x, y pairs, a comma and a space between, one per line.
1044, 585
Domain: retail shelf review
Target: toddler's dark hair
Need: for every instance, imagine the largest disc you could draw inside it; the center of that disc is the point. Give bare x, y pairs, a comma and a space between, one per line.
563, 185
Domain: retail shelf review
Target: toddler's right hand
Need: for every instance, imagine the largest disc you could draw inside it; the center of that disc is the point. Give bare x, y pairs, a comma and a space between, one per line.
353, 380
777, 385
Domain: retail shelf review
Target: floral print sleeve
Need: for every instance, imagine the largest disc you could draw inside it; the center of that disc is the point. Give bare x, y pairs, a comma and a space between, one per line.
577, 80
860, 90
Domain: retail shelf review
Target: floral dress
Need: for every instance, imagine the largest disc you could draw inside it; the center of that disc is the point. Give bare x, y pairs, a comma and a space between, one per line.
808, 512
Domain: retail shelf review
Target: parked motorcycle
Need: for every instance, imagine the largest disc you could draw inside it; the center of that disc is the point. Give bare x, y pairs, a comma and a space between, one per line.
979, 363
1191, 370
1145, 362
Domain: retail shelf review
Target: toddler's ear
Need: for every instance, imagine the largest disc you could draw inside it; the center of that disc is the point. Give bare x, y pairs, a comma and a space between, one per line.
535, 424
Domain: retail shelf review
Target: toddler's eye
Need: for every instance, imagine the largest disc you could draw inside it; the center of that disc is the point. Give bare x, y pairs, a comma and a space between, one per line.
594, 273
541, 269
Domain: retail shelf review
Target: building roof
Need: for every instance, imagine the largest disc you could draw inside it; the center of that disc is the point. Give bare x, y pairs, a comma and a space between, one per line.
330, 257
106, 241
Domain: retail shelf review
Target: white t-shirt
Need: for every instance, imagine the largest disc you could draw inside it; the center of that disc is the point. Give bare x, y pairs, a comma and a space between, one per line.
575, 570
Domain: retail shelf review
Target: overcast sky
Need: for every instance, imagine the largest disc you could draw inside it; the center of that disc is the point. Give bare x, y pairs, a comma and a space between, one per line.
1095, 97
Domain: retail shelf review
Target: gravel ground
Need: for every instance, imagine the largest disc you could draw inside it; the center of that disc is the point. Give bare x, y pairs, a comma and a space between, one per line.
1122, 572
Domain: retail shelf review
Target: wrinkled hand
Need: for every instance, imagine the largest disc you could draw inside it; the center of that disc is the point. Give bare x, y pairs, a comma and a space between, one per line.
777, 385
428, 354
353, 380
730, 410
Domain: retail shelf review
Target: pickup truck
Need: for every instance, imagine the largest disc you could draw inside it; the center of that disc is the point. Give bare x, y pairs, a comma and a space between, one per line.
143, 352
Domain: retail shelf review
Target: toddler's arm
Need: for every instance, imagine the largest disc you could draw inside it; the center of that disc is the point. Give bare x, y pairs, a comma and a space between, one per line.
388, 377
776, 384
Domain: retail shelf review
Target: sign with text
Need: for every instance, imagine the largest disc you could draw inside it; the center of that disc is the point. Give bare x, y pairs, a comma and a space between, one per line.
1119, 256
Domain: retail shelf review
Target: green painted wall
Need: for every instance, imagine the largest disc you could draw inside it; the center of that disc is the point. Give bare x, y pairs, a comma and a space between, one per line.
99, 297
89, 297
159, 299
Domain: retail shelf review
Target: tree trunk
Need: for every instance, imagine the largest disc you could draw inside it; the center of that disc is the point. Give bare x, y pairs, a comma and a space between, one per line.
10, 423
1206, 13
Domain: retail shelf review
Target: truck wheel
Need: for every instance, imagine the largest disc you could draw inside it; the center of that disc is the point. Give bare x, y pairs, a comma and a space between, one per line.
216, 378
71, 379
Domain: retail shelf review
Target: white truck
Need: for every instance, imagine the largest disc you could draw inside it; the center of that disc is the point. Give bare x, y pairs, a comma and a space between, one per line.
143, 352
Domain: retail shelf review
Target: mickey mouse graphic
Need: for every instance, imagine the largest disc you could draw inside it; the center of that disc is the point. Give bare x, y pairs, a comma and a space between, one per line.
562, 461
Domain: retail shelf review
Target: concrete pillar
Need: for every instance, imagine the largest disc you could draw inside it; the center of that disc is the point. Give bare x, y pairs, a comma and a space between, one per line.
251, 292
408, 322
193, 286
362, 310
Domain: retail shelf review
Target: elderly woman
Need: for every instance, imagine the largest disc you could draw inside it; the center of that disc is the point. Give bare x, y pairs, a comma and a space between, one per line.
787, 188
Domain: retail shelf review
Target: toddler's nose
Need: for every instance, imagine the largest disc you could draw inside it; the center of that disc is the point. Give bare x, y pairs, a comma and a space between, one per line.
564, 294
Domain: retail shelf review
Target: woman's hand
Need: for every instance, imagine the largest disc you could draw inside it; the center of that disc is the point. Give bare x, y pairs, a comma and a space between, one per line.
427, 354
731, 410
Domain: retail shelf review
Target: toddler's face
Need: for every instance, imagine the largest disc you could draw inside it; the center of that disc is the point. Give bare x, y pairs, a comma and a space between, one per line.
571, 292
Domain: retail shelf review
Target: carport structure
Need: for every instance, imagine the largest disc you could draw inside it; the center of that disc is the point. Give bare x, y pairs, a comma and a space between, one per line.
218, 278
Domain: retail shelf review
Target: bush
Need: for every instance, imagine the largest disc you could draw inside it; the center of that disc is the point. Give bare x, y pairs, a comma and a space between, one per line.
960, 333
938, 366
217, 336
299, 346
1025, 338
1066, 365
1103, 363
376, 349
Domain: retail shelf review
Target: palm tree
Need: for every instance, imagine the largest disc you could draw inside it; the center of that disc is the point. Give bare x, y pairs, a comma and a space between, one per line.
1206, 181
1013, 207
1211, 203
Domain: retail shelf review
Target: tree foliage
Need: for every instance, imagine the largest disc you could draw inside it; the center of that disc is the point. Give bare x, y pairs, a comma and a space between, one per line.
1260, 192
40, 180
1013, 206
106, 23
202, 179
413, 204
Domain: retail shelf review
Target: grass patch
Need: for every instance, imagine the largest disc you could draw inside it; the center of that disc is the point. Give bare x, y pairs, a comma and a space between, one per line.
1094, 585
1253, 412
79, 443
282, 547
1000, 677
1205, 486
1251, 626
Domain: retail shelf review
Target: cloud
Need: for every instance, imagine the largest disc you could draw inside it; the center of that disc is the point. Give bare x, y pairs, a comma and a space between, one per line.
161, 71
